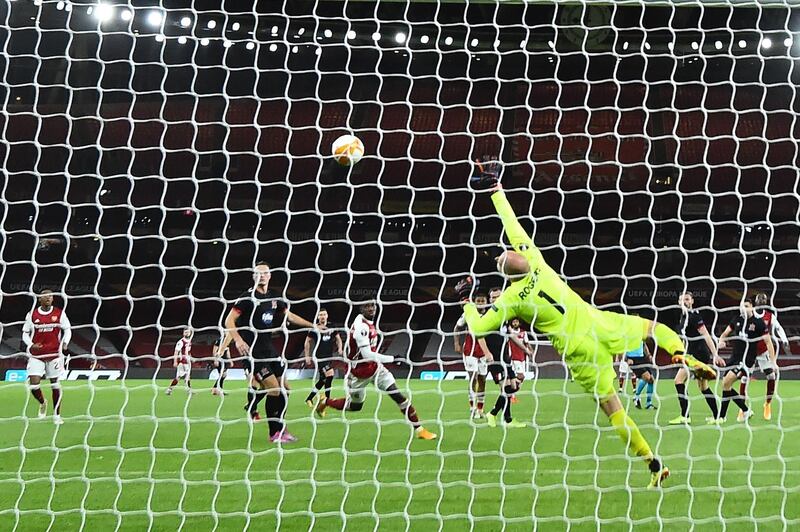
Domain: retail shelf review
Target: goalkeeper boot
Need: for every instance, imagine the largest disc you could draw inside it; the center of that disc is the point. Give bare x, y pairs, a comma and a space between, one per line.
425, 434
58, 420
637, 402
740, 416
310, 404
681, 420
650, 406
491, 419
767, 411
700, 369
658, 474
43, 410
515, 424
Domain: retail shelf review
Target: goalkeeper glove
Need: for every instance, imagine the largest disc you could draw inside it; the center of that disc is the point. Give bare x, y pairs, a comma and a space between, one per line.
465, 287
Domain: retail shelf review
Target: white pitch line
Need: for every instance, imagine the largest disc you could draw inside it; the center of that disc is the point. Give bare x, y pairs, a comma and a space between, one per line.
339, 472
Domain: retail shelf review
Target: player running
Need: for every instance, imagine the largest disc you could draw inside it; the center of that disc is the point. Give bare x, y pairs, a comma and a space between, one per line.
475, 362
749, 329
46, 334
251, 322
222, 360
587, 337
701, 345
768, 366
182, 361
325, 342
366, 366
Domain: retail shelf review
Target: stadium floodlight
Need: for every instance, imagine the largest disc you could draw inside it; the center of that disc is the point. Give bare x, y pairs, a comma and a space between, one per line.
351, 34
204, 41
272, 47
695, 46
766, 43
400, 37
473, 43
424, 39
155, 18
448, 41
211, 24
376, 36
295, 49
787, 42
625, 45
160, 37
103, 12
251, 45
742, 43
60, 6
186, 22
328, 34
718, 45
182, 39
227, 44
235, 26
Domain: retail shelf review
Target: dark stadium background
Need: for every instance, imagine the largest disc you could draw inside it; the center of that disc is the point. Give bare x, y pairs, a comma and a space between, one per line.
144, 178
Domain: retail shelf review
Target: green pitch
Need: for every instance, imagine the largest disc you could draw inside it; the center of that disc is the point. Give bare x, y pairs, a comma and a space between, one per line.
129, 457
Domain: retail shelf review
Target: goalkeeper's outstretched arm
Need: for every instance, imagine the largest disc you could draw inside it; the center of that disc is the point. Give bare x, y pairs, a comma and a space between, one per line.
519, 239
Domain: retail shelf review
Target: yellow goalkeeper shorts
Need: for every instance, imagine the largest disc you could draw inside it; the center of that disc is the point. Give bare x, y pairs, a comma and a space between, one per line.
592, 360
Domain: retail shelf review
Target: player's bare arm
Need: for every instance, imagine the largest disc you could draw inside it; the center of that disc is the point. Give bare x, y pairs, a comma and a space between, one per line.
712, 348
307, 351
486, 353
723, 338
773, 354
297, 321
339, 346
233, 331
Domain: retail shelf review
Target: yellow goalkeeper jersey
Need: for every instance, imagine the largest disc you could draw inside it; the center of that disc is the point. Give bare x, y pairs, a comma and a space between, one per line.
544, 300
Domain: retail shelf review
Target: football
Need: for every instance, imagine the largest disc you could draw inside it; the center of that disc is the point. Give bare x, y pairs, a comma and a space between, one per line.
347, 150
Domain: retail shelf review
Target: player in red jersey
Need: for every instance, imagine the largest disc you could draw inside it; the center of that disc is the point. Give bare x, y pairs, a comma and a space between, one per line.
46, 334
767, 364
519, 350
475, 361
182, 361
366, 366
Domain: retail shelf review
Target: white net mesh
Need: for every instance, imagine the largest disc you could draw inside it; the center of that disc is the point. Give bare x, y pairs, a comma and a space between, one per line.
154, 151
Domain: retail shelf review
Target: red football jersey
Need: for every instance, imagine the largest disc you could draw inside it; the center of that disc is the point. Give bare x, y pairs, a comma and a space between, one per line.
184, 350
362, 333
471, 348
517, 353
767, 317
46, 329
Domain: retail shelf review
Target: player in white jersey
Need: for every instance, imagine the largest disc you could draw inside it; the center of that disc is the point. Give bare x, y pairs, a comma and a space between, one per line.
182, 360
366, 366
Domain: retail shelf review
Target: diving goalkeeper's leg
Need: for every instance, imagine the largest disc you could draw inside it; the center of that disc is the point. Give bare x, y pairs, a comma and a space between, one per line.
669, 340
632, 437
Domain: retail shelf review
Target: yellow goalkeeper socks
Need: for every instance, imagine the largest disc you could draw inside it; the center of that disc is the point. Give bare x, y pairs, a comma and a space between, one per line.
629, 432
667, 339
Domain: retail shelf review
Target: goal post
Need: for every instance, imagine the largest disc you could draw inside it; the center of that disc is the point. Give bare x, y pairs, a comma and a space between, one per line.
154, 152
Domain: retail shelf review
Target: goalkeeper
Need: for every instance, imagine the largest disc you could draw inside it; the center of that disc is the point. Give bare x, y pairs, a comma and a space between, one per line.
586, 337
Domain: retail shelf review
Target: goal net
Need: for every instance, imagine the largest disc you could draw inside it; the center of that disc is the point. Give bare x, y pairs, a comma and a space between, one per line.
153, 152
